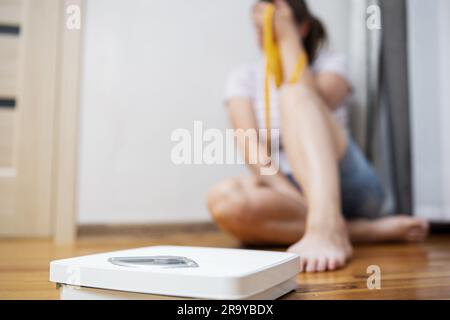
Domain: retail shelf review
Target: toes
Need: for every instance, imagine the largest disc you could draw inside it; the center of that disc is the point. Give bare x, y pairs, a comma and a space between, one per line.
340, 262
416, 235
425, 228
414, 238
303, 262
332, 264
336, 262
311, 265
407, 228
322, 264
424, 223
419, 231
418, 223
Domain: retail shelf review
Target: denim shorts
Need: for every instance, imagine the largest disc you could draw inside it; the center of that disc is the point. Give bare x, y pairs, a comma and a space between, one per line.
362, 194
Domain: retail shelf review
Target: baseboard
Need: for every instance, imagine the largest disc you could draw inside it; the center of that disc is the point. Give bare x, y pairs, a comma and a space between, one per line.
144, 229
440, 228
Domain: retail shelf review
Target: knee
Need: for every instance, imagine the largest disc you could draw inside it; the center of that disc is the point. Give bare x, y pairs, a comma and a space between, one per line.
227, 202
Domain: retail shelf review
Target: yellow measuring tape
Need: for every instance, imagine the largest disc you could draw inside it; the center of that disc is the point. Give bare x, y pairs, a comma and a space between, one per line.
273, 67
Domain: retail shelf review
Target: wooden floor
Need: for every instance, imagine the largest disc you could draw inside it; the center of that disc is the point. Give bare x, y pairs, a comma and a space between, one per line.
407, 271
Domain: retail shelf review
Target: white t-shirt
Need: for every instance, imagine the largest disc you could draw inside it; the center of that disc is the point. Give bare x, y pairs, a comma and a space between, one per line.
248, 81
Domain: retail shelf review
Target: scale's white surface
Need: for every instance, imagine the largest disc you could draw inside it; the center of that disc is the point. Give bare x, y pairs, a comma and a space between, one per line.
163, 272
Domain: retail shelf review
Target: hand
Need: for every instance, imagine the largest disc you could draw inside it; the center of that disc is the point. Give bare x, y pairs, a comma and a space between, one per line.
284, 22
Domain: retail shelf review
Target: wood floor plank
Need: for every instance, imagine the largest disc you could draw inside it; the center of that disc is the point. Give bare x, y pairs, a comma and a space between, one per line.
413, 271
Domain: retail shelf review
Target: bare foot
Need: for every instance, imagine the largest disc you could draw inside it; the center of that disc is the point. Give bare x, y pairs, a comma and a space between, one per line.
394, 228
323, 250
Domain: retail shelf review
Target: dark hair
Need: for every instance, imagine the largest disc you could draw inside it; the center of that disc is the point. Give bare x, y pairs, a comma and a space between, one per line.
317, 35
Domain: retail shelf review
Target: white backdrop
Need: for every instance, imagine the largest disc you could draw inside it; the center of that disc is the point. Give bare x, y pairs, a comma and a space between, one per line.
430, 105
152, 66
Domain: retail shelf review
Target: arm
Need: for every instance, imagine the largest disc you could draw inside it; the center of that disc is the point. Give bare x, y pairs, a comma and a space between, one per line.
331, 87
243, 117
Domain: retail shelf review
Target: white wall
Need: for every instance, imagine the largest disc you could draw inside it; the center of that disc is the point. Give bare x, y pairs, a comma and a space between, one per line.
151, 66
429, 50
337, 17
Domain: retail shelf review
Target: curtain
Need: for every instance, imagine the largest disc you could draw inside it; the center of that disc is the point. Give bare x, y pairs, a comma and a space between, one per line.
394, 92
380, 108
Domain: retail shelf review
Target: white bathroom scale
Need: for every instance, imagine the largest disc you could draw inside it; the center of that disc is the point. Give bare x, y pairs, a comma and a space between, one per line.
171, 272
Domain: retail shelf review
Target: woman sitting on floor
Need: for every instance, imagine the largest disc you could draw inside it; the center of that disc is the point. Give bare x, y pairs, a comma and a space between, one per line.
327, 194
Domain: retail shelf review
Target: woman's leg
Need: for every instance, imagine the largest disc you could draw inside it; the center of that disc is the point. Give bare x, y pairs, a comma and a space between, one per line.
314, 144
259, 210
272, 212
391, 228
362, 204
